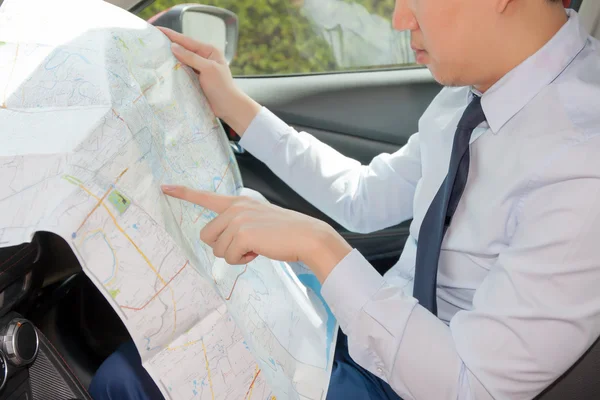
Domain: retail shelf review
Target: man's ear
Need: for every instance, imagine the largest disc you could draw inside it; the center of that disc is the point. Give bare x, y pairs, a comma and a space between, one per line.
502, 4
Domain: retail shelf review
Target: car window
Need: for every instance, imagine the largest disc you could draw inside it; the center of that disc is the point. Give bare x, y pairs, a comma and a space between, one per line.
288, 37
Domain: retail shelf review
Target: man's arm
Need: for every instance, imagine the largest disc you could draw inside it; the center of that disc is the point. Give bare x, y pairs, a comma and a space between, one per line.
361, 198
534, 315
536, 312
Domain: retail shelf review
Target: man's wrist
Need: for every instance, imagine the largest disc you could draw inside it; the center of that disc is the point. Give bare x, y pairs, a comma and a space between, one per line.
245, 110
327, 248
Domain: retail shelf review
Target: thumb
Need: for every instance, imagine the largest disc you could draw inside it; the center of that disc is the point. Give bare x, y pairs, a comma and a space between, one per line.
212, 201
190, 58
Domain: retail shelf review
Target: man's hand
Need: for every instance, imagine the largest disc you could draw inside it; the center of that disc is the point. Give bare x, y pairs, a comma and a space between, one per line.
227, 100
245, 228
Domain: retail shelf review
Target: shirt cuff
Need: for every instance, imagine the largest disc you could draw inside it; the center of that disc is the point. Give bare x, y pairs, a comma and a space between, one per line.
351, 284
263, 134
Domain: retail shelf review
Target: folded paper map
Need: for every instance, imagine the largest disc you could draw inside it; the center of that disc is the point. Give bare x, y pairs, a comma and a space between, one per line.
96, 114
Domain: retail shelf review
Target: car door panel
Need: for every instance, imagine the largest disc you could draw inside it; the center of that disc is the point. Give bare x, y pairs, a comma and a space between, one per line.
380, 105
359, 148
361, 115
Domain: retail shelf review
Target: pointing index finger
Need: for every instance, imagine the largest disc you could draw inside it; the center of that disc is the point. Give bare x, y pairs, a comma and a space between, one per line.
212, 201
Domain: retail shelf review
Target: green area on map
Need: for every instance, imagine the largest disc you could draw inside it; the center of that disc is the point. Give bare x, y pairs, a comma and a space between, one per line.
118, 200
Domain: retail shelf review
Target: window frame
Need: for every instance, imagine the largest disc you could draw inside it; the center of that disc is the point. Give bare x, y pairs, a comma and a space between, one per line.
135, 7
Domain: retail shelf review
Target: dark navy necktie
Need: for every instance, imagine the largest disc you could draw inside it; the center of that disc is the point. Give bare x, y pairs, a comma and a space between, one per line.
442, 208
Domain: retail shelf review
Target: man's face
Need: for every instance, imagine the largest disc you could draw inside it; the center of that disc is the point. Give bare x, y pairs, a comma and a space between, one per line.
448, 36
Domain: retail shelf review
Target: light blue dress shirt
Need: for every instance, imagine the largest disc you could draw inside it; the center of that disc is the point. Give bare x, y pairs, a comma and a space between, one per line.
519, 274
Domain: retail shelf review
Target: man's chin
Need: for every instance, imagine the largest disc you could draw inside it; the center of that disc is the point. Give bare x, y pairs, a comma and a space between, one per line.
442, 78
439, 77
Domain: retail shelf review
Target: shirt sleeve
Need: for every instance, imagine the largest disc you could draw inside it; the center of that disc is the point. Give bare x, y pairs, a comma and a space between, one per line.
360, 198
534, 315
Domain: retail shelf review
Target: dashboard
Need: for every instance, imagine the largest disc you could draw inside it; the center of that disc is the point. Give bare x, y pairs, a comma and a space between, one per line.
30, 367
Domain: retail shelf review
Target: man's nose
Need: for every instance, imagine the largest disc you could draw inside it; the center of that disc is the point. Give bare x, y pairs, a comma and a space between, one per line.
404, 19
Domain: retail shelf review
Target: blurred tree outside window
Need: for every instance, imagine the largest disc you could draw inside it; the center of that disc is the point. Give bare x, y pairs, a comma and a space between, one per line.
290, 37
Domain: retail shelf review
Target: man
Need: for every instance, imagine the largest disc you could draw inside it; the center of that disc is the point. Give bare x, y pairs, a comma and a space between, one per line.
496, 292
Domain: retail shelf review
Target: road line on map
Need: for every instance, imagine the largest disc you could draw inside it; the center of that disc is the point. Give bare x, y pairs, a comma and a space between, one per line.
101, 200
234, 282
216, 189
157, 293
144, 92
183, 346
249, 392
118, 116
212, 392
160, 80
251, 386
10, 76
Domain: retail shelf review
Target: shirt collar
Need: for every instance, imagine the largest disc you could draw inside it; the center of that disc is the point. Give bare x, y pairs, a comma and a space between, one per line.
517, 88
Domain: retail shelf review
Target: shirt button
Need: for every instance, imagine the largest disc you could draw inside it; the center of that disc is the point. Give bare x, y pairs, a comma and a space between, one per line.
380, 371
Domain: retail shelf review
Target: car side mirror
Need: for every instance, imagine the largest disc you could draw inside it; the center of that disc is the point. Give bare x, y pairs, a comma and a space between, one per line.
212, 25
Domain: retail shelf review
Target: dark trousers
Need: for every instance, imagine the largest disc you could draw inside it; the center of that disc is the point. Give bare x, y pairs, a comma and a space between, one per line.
122, 377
